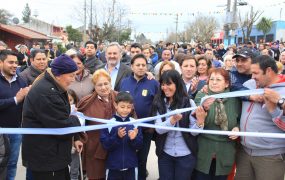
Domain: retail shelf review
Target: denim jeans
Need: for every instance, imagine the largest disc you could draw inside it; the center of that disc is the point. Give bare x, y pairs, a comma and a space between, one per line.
142, 155
176, 168
29, 174
15, 144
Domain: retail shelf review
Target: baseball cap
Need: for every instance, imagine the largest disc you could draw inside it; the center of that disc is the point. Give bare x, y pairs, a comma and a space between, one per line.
245, 53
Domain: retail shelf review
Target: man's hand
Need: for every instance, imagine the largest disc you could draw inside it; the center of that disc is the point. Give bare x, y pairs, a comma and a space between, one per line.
256, 98
78, 146
194, 84
175, 118
133, 133
271, 95
21, 94
122, 132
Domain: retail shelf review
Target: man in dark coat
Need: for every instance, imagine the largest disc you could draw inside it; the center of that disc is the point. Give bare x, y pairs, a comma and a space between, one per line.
39, 63
47, 106
91, 63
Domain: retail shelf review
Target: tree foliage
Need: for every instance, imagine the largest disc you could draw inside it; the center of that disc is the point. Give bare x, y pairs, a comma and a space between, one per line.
5, 16
264, 25
141, 38
26, 13
73, 34
201, 29
247, 22
109, 21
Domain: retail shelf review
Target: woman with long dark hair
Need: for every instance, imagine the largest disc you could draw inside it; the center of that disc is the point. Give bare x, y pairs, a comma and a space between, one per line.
176, 150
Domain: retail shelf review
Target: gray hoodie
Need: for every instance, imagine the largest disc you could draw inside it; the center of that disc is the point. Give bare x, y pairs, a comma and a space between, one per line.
256, 118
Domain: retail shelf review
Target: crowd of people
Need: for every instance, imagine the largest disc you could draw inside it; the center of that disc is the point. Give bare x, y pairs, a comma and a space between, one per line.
46, 88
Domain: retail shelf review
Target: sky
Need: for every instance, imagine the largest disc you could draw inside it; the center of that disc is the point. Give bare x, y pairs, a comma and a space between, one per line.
154, 18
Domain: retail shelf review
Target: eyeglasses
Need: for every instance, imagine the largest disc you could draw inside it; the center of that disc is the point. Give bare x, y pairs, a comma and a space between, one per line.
101, 85
217, 80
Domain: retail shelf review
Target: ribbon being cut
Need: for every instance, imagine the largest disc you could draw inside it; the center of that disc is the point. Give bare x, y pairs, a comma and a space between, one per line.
142, 122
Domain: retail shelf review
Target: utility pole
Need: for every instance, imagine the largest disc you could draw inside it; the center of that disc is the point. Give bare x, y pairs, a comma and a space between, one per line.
227, 26
119, 29
176, 29
84, 30
91, 20
113, 12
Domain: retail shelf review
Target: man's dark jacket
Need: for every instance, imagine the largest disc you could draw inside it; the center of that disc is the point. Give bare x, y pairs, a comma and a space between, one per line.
92, 64
47, 106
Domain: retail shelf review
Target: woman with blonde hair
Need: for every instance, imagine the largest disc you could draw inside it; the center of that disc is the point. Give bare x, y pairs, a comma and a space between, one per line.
98, 105
165, 66
228, 62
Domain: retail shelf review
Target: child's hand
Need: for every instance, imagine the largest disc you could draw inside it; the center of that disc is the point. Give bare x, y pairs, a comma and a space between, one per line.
133, 133
122, 132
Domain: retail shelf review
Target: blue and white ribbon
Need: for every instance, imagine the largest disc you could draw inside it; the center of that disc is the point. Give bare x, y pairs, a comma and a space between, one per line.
142, 122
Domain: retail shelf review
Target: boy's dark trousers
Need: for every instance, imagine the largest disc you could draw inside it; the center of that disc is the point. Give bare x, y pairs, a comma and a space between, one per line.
123, 174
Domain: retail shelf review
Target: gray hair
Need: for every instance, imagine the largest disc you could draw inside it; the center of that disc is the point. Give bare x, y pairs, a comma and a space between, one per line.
115, 44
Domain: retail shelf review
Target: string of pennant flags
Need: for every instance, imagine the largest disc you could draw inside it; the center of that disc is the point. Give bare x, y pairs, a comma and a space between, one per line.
175, 14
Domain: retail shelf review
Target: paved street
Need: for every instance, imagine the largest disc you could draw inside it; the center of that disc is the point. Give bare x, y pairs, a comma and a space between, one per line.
151, 166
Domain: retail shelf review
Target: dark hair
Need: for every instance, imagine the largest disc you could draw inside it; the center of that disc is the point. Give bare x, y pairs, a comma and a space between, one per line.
138, 56
172, 76
73, 95
264, 62
152, 47
80, 57
4, 54
178, 57
209, 63
136, 45
187, 57
35, 52
184, 46
91, 42
124, 97
168, 44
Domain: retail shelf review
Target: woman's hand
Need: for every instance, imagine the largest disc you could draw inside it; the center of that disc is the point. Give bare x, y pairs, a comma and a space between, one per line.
175, 118
234, 137
200, 116
149, 76
207, 103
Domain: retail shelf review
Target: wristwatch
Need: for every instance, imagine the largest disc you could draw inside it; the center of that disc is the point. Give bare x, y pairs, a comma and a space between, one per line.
280, 103
200, 125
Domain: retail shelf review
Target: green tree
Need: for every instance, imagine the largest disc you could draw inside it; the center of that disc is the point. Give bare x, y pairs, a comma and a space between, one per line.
125, 35
201, 29
73, 34
264, 25
247, 22
26, 13
4, 16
